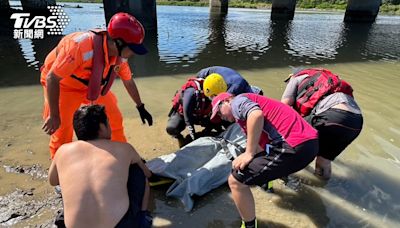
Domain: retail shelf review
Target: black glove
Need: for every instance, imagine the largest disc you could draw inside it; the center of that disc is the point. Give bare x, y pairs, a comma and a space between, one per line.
191, 132
145, 115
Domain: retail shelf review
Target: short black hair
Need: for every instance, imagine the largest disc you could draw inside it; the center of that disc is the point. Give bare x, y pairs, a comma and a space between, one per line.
87, 120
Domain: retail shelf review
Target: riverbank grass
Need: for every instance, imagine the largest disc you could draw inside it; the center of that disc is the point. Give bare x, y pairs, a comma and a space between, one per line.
385, 8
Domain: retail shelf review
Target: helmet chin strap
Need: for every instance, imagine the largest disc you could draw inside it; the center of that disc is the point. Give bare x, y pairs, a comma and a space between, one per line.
120, 45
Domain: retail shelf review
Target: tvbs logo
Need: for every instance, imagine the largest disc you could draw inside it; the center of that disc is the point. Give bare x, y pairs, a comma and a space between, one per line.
39, 22
26, 27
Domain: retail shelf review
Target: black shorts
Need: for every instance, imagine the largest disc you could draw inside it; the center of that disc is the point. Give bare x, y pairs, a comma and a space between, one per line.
136, 188
336, 130
281, 161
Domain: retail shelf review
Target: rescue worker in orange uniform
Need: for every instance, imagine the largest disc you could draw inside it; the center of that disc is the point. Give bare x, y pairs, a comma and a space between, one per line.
81, 69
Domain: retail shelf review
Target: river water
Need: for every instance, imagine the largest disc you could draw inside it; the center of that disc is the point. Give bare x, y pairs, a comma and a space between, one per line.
364, 189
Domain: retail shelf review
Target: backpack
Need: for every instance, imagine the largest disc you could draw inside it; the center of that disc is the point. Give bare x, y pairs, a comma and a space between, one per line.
203, 104
318, 84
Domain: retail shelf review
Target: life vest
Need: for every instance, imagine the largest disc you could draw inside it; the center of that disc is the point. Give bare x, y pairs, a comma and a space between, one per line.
318, 84
97, 84
203, 104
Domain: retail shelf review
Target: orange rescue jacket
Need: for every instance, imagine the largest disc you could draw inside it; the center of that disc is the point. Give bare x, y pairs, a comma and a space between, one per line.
73, 60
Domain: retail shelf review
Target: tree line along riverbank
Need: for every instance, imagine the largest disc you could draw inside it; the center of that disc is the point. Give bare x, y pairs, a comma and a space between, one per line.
391, 7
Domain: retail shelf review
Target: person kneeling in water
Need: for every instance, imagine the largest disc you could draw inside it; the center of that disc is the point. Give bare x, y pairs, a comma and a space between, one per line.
103, 183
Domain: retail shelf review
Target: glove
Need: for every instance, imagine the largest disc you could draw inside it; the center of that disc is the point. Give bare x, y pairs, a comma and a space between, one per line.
191, 132
145, 115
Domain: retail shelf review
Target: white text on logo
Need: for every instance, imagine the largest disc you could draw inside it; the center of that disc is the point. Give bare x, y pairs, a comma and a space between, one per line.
22, 21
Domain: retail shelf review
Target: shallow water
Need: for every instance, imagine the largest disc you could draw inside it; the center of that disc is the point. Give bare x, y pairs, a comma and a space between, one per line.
190, 38
363, 191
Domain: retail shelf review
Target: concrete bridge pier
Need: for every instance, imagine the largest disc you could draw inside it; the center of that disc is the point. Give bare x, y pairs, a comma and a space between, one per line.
37, 5
362, 10
5, 22
4, 5
143, 10
219, 7
283, 9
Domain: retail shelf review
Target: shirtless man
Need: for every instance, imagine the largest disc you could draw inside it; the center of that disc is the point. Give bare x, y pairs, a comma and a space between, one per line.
94, 173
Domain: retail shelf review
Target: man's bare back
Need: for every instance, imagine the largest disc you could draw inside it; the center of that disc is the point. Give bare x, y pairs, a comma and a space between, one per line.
93, 177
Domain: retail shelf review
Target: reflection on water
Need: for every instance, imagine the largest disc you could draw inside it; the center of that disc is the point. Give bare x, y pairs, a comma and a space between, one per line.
310, 40
247, 32
181, 36
29, 53
190, 38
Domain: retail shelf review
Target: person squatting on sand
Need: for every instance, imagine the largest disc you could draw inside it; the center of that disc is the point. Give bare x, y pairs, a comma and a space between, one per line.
279, 142
191, 107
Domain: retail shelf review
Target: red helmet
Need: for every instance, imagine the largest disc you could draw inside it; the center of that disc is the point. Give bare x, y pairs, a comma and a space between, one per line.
125, 27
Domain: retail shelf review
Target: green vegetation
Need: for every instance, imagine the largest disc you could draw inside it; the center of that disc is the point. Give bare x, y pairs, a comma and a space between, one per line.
182, 3
320, 4
232, 3
388, 6
82, 1
390, 9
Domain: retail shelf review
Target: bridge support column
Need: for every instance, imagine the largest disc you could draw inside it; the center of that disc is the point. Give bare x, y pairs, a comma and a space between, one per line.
5, 22
143, 10
4, 5
37, 5
361, 10
283, 9
219, 6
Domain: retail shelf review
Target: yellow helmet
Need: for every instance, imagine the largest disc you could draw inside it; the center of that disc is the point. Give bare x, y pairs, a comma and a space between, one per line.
214, 84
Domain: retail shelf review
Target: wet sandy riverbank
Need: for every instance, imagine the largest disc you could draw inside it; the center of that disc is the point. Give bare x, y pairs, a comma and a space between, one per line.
362, 192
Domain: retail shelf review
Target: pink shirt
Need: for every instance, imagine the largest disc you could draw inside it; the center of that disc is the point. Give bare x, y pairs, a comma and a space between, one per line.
281, 122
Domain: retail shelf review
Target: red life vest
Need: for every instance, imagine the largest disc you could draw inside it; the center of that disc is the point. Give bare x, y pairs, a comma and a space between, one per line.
318, 84
203, 104
96, 81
